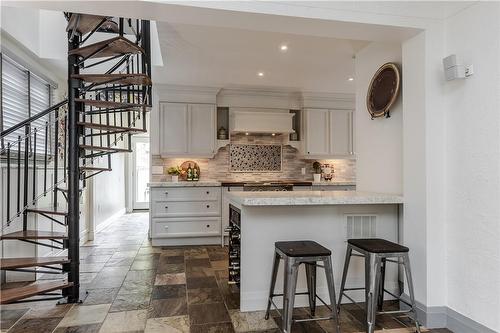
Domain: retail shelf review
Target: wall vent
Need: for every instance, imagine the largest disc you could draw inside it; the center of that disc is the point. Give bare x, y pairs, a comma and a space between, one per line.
361, 226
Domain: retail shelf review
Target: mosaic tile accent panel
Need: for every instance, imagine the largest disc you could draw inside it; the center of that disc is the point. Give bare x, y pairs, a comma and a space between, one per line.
248, 158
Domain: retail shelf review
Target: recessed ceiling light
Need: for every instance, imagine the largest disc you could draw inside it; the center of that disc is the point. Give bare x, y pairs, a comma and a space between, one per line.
273, 134
261, 74
247, 133
351, 79
284, 47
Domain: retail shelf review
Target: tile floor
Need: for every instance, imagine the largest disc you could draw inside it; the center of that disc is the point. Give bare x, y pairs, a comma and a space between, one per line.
128, 286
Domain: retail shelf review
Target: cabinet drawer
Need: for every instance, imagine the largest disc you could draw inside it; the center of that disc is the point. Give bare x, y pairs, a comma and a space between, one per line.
185, 194
178, 228
185, 208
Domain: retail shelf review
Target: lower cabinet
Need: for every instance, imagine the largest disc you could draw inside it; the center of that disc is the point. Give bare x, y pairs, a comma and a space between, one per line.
185, 215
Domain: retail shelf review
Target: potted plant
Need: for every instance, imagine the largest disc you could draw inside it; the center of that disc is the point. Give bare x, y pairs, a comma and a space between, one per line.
174, 171
317, 172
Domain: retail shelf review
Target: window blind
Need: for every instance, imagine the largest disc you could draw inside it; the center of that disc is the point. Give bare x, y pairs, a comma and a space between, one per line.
24, 94
14, 96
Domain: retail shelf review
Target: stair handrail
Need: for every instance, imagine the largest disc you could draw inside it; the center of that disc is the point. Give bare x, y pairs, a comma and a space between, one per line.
32, 118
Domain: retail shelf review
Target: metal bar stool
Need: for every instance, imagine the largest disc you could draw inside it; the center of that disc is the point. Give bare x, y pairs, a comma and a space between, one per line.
295, 253
376, 253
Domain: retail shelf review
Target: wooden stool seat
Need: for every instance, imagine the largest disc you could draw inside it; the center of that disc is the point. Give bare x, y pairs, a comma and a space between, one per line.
377, 245
302, 249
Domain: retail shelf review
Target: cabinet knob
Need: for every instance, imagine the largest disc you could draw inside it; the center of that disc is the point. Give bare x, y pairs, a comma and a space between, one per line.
208, 192
208, 225
166, 193
208, 206
308, 152
166, 207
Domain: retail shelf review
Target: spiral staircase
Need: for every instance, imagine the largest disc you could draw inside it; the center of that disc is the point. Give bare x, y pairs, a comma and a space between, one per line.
109, 94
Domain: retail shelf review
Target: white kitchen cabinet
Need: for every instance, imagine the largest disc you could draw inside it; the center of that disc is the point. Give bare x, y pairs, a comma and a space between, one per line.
185, 215
202, 120
187, 130
317, 138
173, 128
328, 133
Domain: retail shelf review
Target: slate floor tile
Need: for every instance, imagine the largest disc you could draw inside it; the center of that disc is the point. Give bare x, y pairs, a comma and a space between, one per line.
9, 317
130, 302
178, 324
204, 295
39, 325
169, 291
81, 315
208, 313
167, 307
126, 321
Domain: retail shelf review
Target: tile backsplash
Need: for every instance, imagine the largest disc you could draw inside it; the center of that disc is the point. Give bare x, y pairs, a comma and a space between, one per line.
254, 158
219, 167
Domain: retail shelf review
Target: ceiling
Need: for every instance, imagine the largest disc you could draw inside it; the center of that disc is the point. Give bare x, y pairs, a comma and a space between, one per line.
229, 57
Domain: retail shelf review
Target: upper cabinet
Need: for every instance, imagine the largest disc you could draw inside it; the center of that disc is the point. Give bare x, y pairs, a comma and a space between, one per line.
328, 133
187, 130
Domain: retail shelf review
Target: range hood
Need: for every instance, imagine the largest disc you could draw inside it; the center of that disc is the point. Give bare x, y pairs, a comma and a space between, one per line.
261, 122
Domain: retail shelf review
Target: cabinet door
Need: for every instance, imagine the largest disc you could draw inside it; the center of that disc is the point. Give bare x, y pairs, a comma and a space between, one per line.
202, 129
317, 132
173, 128
340, 132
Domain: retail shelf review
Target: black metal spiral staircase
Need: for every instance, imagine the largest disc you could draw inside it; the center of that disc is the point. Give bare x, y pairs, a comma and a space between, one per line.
103, 110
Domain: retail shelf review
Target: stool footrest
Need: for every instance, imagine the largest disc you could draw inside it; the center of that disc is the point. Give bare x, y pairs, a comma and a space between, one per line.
394, 312
311, 319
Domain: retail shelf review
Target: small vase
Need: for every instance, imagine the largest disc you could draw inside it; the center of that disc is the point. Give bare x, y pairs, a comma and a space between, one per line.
317, 177
175, 178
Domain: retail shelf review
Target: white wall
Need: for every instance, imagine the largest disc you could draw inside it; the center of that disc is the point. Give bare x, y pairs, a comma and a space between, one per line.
109, 191
473, 164
378, 141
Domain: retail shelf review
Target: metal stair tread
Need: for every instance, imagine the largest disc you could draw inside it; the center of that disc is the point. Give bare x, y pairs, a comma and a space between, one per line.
15, 294
86, 168
13, 263
34, 234
99, 148
111, 127
85, 23
108, 48
109, 104
125, 79
47, 211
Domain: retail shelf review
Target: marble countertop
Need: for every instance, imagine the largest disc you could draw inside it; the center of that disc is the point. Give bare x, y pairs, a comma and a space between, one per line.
199, 183
210, 182
334, 182
306, 198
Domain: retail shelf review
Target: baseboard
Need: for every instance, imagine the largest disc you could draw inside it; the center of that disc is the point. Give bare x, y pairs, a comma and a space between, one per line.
444, 317
101, 226
84, 236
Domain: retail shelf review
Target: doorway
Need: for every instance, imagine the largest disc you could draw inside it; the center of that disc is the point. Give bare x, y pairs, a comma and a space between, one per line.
140, 173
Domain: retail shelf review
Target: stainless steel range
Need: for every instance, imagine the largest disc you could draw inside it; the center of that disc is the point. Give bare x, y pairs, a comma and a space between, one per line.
267, 186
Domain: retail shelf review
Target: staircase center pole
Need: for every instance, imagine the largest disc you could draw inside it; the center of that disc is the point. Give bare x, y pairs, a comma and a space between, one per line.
73, 174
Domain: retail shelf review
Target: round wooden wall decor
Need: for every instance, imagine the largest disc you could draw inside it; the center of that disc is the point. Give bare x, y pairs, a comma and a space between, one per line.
383, 90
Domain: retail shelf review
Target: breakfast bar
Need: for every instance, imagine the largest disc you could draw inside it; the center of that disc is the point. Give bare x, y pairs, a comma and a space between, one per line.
327, 217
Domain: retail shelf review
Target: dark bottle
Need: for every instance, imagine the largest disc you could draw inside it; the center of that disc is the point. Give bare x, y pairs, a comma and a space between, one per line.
189, 175
196, 176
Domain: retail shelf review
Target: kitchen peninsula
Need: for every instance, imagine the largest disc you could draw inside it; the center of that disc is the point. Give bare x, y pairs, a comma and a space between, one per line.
328, 217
